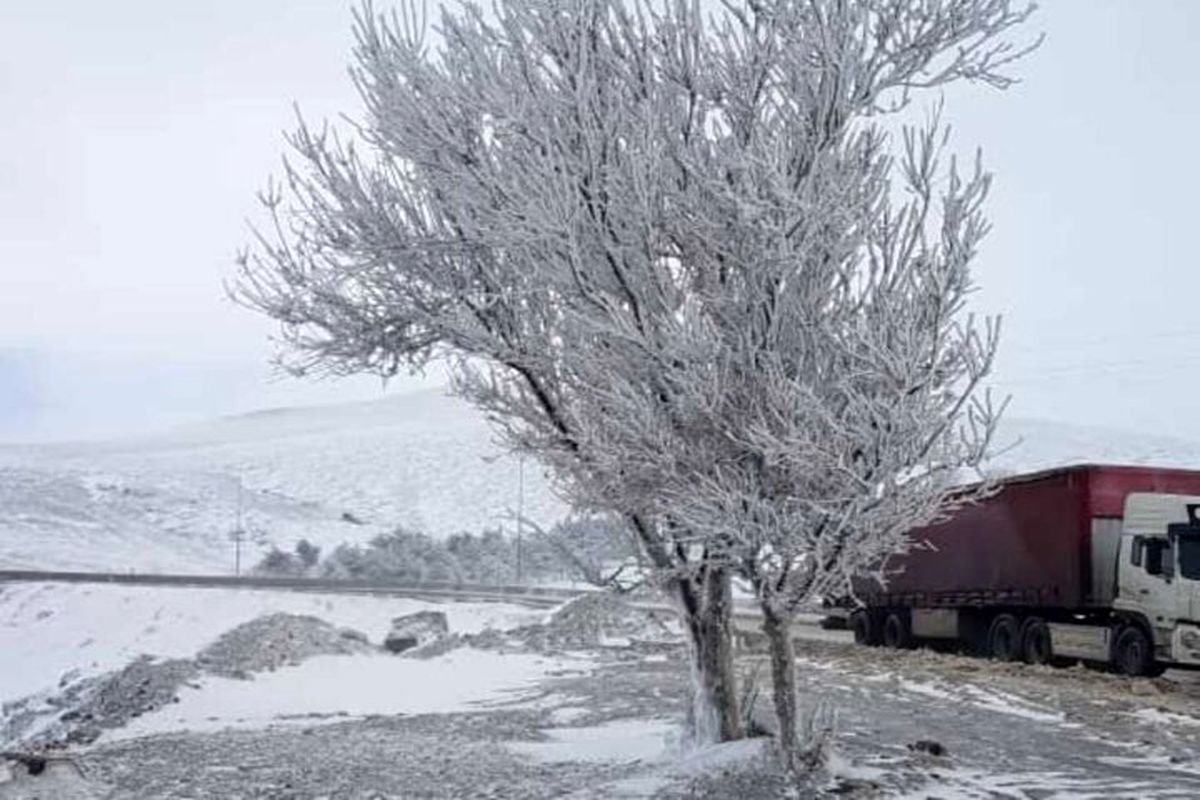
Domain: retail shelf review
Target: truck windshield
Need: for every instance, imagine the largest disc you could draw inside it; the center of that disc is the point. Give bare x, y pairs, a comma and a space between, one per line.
1189, 556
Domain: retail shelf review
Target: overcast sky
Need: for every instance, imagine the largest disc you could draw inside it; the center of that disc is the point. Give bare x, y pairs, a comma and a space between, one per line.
135, 134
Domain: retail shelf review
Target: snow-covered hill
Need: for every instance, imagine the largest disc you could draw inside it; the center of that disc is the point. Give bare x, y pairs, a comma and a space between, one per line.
1026, 445
329, 474
342, 473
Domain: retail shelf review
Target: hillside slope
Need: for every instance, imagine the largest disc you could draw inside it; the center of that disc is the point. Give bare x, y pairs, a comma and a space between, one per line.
342, 473
329, 474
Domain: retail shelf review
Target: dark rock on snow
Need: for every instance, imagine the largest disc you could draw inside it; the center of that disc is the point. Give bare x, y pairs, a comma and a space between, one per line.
415, 630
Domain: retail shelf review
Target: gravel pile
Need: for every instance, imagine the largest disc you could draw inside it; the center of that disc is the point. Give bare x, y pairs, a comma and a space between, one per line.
593, 620
82, 709
276, 640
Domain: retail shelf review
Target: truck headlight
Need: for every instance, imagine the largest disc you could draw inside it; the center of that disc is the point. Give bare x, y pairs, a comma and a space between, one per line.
1190, 639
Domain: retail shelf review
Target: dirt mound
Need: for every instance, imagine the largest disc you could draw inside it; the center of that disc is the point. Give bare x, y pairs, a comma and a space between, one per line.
597, 620
82, 709
273, 641
602, 619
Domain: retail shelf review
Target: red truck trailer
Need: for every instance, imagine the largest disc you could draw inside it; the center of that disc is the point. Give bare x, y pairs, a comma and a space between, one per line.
1092, 562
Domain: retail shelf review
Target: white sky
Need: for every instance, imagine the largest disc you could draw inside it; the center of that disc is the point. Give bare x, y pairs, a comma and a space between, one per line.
134, 135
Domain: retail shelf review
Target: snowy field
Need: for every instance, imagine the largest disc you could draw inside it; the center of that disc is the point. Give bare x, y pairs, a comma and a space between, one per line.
354, 686
167, 502
504, 715
503, 693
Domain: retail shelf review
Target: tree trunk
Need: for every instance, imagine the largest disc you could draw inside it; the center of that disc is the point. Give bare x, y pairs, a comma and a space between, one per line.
707, 607
783, 677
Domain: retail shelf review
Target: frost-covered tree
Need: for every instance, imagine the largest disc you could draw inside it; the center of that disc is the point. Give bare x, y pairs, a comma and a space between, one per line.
824, 397
593, 549
593, 209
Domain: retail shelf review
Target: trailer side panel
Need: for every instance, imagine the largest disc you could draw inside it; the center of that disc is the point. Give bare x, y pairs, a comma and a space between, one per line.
1023, 546
1046, 539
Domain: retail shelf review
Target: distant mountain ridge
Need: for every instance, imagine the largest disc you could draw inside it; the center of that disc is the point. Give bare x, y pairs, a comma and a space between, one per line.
344, 472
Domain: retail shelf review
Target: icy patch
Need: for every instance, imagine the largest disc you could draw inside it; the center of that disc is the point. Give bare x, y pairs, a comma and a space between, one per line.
1004, 703
987, 699
340, 687
1156, 716
639, 786
974, 784
615, 641
628, 740
925, 689
1157, 764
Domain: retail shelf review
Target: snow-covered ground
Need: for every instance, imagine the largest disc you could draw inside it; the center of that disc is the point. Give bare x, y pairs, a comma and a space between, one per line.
513, 719
166, 502
52, 631
338, 687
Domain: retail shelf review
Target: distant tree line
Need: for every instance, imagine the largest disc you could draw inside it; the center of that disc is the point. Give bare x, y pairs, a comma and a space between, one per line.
586, 549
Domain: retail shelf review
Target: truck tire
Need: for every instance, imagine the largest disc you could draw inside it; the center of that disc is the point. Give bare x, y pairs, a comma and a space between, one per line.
1035, 642
1133, 654
897, 633
865, 630
1037, 646
1004, 638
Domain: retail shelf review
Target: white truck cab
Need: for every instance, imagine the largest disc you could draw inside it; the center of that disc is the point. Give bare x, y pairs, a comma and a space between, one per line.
1158, 571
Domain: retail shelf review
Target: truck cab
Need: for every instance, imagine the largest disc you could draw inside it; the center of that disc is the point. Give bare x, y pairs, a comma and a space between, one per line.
1158, 573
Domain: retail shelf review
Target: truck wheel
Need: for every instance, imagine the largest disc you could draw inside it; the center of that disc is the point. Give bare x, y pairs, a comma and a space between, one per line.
896, 631
1035, 641
864, 628
1134, 654
1004, 638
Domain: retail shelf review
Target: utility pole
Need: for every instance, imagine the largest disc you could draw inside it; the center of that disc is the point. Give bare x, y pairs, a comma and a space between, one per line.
520, 508
238, 533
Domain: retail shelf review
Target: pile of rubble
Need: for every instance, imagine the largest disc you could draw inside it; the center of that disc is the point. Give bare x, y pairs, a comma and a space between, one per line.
276, 640
600, 619
594, 620
83, 708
